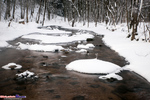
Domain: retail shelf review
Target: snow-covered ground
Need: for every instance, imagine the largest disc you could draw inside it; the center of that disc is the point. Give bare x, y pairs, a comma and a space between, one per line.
136, 52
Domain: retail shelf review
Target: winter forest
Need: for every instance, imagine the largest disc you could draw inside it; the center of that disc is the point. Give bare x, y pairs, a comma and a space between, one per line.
111, 12
75, 49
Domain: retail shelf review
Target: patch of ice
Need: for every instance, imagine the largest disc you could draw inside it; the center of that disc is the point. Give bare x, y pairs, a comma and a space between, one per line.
111, 75
92, 66
25, 74
12, 64
40, 47
86, 46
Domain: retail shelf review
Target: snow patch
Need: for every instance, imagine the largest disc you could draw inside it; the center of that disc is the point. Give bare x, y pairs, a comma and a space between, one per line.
111, 75
12, 64
85, 46
58, 39
39, 47
92, 66
82, 51
25, 74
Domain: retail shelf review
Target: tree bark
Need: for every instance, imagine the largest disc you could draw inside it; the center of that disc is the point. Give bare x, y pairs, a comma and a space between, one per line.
88, 5
7, 13
0, 8
39, 12
22, 11
13, 15
27, 20
44, 12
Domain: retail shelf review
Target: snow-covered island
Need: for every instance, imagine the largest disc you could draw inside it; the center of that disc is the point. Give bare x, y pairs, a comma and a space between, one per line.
95, 66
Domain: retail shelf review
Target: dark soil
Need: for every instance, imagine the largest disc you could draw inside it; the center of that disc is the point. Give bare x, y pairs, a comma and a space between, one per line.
56, 83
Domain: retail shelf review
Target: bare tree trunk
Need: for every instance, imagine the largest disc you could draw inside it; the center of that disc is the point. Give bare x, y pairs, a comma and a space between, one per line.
88, 5
0, 8
44, 12
22, 11
7, 13
13, 15
32, 8
73, 13
127, 15
27, 20
39, 12
65, 10
136, 10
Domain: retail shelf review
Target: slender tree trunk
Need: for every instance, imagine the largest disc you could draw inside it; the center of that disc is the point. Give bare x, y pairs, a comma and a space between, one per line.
39, 12
0, 8
136, 10
7, 13
22, 10
27, 20
13, 15
127, 15
88, 5
64, 10
44, 12
73, 13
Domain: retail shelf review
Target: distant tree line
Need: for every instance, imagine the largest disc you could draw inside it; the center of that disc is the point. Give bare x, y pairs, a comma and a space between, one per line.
111, 12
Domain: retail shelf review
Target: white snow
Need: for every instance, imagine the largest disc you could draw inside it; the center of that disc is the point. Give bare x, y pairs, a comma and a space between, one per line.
85, 46
25, 74
82, 51
12, 64
111, 75
92, 66
58, 39
39, 47
136, 52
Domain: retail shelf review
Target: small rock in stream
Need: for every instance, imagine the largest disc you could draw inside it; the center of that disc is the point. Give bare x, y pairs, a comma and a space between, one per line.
78, 98
45, 57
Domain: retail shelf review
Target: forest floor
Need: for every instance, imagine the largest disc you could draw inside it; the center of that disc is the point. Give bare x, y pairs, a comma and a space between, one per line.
56, 83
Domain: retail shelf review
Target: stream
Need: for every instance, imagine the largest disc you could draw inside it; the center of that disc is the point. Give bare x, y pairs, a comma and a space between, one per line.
56, 83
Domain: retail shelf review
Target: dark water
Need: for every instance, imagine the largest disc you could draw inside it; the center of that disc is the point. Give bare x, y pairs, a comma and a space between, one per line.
56, 83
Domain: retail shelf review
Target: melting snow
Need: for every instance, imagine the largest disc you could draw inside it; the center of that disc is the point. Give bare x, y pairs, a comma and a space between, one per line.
86, 46
82, 51
38, 47
58, 39
25, 74
12, 64
111, 75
